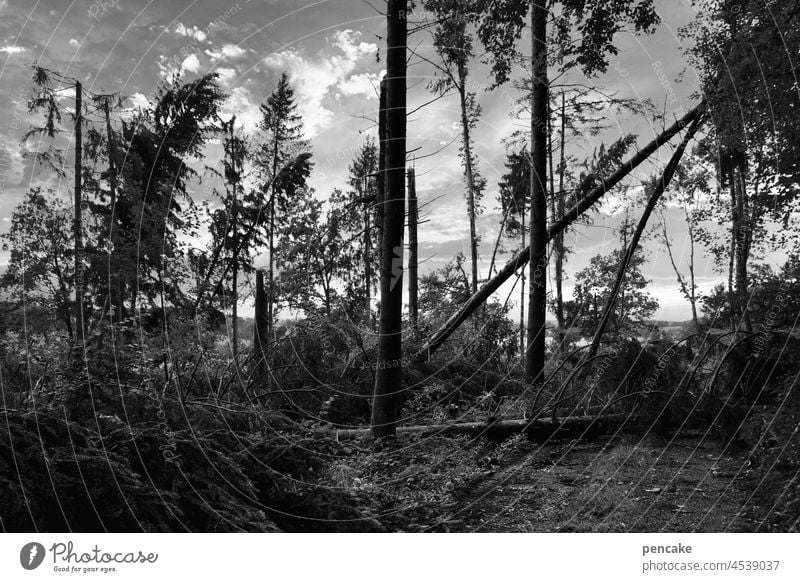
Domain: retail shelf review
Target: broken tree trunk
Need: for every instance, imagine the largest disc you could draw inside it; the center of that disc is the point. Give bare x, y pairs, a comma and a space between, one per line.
655, 196
536, 429
447, 329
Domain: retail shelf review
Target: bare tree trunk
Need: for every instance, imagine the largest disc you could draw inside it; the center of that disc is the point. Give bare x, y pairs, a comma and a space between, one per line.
558, 242
469, 177
522, 289
80, 327
113, 296
413, 260
581, 206
537, 298
367, 259
632, 246
388, 381
260, 329
741, 243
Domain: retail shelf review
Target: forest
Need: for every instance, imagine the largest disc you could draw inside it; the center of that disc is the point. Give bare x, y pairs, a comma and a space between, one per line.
202, 331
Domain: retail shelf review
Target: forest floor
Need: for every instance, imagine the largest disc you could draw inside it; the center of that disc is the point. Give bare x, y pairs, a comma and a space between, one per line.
615, 484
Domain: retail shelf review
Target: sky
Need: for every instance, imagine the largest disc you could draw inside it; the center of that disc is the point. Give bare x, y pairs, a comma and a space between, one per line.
331, 50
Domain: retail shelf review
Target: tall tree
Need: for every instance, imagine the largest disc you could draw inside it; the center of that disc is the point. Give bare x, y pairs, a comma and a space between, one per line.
454, 46
282, 140
50, 88
388, 379
537, 266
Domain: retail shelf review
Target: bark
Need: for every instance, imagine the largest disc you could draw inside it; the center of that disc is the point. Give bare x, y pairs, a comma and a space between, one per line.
388, 379
742, 243
367, 260
537, 266
558, 241
581, 206
469, 176
114, 298
539, 429
631, 247
380, 194
522, 290
260, 329
78, 225
413, 259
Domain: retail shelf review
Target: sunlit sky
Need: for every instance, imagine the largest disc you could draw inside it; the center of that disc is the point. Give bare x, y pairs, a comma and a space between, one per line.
331, 51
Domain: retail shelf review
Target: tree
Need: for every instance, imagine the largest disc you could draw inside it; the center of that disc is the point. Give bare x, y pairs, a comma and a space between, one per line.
582, 204
593, 288
281, 143
692, 180
50, 86
388, 379
240, 208
455, 49
742, 51
356, 220
595, 22
40, 269
153, 202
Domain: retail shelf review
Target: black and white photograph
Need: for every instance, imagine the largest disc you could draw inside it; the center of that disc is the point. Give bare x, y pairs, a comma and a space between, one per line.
397, 267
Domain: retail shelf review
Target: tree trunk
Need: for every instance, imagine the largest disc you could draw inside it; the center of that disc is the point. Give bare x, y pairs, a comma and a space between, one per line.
388, 379
742, 243
522, 289
469, 176
558, 242
380, 194
537, 297
113, 297
581, 206
413, 260
631, 247
260, 329
367, 259
80, 328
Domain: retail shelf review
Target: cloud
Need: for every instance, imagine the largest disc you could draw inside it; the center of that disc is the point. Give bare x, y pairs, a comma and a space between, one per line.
193, 32
12, 49
365, 84
230, 51
241, 104
139, 101
332, 71
190, 64
226, 75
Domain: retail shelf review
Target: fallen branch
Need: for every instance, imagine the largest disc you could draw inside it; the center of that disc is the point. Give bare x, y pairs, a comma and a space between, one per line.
535, 429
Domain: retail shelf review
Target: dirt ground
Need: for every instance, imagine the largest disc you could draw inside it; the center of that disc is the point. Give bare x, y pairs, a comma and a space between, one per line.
615, 484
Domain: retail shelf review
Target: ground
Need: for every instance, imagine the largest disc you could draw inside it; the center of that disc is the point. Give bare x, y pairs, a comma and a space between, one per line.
617, 484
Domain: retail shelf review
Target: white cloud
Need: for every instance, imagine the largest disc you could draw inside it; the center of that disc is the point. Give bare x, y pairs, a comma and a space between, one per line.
190, 64
73, 42
139, 101
366, 84
241, 104
230, 51
226, 75
12, 49
329, 73
193, 32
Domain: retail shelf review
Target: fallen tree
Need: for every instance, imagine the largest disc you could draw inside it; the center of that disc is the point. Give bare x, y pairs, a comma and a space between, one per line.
658, 190
521, 259
535, 429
